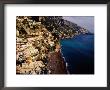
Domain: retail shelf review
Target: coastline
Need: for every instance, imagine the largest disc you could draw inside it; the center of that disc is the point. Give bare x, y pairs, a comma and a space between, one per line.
38, 47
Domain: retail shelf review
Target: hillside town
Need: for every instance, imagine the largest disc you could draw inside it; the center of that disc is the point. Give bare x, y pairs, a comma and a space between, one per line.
38, 50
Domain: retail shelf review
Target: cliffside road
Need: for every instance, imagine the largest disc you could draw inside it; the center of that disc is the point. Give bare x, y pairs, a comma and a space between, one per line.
56, 63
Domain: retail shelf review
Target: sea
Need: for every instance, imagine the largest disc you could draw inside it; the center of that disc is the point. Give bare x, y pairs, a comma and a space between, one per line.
78, 53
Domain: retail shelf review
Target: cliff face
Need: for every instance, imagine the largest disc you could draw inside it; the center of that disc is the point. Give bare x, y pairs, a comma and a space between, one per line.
37, 43
56, 63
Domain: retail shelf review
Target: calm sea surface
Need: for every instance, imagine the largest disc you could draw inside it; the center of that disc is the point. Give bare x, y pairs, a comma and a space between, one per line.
79, 54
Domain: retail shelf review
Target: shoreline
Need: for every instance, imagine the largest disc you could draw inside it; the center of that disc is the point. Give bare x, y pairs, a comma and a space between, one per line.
36, 38
63, 62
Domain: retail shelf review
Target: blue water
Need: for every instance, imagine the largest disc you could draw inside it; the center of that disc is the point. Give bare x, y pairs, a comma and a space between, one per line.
79, 54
